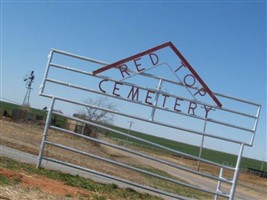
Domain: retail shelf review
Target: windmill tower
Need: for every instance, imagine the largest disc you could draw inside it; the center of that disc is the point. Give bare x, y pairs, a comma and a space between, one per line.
28, 80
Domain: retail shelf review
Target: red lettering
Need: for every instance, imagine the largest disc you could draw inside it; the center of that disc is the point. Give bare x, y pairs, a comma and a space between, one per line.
164, 101
201, 92
116, 88
138, 64
123, 69
100, 86
186, 82
182, 65
134, 93
154, 62
192, 108
177, 104
207, 109
148, 97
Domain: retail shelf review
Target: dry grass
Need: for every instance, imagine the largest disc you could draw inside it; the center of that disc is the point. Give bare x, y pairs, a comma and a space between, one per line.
16, 192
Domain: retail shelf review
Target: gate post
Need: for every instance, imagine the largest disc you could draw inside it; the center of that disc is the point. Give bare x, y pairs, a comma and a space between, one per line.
47, 124
235, 178
218, 189
202, 143
50, 57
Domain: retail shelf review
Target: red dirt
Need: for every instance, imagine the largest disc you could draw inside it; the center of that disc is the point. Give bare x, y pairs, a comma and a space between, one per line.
46, 185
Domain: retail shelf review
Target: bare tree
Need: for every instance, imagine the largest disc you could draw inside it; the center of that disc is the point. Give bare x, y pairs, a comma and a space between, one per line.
96, 115
93, 113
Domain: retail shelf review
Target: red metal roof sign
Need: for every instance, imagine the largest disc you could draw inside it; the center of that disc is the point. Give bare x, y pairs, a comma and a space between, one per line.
192, 76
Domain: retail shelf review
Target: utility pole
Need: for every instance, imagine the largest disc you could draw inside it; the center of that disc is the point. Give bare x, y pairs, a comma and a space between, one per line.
262, 163
129, 129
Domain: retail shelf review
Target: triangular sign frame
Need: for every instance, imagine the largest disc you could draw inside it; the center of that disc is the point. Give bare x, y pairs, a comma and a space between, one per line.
177, 52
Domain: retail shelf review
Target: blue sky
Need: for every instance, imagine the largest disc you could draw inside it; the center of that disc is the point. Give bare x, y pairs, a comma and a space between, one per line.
225, 42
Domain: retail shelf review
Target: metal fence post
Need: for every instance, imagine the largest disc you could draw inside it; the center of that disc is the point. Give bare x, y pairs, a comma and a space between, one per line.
201, 146
50, 57
47, 124
218, 189
235, 178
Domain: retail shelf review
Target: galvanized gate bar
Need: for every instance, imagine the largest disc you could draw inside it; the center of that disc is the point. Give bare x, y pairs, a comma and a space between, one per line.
236, 172
42, 87
116, 178
132, 168
147, 156
161, 92
114, 162
79, 57
129, 167
153, 122
45, 132
154, 106
148, 142
123, 165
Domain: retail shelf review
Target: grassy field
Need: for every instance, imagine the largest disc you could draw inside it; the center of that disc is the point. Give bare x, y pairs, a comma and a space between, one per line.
216, 156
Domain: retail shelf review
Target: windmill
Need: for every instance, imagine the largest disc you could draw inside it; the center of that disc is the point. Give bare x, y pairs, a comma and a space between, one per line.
28, 80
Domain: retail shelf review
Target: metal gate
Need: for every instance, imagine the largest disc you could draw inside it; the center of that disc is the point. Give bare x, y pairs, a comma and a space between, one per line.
172, 104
